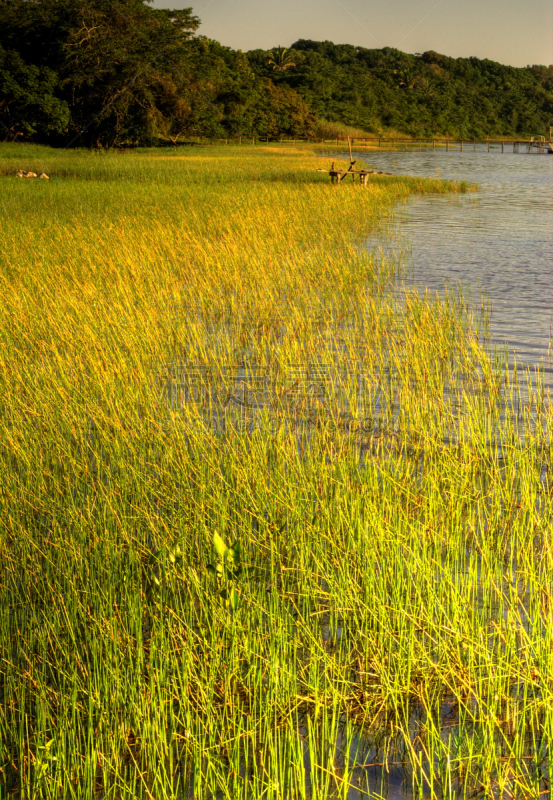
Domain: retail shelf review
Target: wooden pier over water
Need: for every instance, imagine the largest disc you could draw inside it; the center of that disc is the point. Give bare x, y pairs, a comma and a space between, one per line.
363, 174
537, 147
541, 146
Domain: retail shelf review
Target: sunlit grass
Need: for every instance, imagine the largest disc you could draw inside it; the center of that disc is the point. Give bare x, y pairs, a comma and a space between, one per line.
392, 503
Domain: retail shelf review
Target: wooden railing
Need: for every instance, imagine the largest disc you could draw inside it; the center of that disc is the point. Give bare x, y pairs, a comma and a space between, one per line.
385, 143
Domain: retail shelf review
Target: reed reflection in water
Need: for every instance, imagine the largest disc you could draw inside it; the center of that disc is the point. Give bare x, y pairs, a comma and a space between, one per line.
497, 242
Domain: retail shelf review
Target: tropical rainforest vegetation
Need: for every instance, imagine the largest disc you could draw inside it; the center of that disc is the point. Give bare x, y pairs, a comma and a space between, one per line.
116, 72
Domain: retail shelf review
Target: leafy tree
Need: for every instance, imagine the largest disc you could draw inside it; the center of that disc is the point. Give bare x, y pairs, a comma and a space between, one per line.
28, 104
110, 72
282, 111
226, 97
543, 74
421, 95
118, 61
281, 59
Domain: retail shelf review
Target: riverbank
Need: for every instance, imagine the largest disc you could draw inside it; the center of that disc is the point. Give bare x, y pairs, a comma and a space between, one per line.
198, 343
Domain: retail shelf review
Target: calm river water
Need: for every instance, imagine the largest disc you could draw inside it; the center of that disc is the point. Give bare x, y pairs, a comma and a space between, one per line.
497, 242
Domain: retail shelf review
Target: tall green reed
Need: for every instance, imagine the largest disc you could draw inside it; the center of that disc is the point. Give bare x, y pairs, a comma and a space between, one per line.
395, 602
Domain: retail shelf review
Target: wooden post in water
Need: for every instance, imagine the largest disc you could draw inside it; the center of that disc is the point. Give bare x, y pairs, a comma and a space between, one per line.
474, 145
433, 144
461, 145
501, 146
447, 146
488, 145
351, 161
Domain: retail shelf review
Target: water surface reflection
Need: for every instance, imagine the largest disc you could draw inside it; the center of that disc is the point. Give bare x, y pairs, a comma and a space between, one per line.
498, 241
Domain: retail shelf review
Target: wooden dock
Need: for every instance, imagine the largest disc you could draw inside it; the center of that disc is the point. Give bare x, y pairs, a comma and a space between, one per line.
529, 146
538, 145
337, 175
544, 147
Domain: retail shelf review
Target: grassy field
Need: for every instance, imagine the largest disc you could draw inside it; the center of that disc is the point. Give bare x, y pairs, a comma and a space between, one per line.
267, 531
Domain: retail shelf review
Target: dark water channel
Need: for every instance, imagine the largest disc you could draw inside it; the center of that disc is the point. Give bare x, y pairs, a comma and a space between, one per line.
497, 242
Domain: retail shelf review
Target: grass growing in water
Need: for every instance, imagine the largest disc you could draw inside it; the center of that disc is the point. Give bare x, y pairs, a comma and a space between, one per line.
195, 343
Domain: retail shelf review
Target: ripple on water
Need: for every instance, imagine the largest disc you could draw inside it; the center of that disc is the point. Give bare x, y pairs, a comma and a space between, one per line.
498, 242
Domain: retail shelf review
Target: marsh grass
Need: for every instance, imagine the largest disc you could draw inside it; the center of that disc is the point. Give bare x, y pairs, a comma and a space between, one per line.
394, 608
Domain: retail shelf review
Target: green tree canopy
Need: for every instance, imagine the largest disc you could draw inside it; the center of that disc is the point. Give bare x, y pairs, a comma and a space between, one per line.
119, 63
112, 72
424, 94
28, 104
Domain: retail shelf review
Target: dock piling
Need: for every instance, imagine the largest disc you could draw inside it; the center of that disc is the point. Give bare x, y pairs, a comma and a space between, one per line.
420, 145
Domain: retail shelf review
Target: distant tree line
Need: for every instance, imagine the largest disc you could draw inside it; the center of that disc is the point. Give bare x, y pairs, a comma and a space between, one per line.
119, 72
422, 95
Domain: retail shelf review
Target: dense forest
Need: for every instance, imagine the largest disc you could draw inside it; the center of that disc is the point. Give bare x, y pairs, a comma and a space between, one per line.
119, 72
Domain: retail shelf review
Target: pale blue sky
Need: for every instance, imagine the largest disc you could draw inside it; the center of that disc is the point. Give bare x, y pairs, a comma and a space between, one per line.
517, 32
